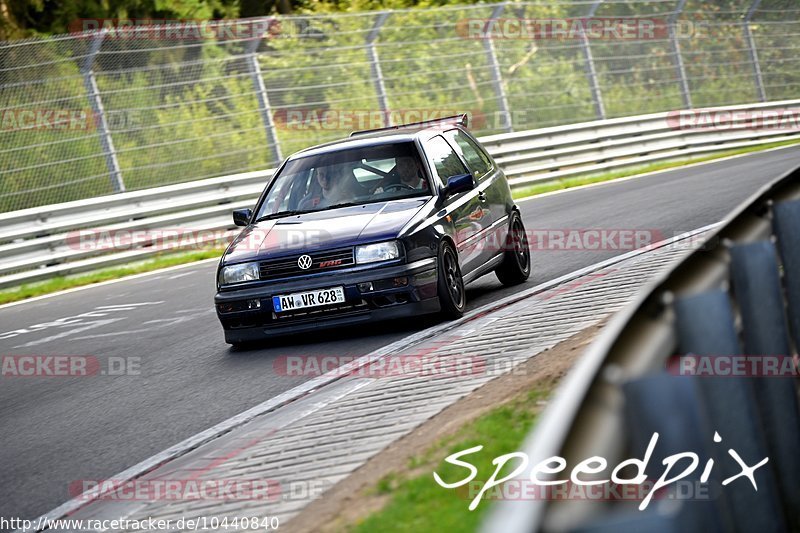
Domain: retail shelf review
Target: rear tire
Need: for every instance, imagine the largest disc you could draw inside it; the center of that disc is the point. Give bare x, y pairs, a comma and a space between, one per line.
516, 265
452, 295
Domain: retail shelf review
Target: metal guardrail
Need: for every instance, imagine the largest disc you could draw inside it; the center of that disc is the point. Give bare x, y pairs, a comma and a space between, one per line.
109, 110
739, 293
540, 155
42, 242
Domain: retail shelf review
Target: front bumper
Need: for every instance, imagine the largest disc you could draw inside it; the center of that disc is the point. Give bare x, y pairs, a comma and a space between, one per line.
246, 313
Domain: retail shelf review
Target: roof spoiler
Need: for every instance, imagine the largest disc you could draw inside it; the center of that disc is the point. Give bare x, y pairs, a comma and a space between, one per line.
455, 120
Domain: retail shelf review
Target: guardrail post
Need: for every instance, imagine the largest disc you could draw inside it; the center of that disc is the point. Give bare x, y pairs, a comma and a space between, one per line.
497, 78
375, 67
676, 52
751, 47
261, 92
591, 71
100, 119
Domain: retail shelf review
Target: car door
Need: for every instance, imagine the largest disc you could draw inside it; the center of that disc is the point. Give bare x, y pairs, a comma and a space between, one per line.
493, 191
465, 208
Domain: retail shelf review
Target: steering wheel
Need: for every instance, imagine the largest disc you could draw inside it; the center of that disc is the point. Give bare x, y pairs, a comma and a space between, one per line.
398, 186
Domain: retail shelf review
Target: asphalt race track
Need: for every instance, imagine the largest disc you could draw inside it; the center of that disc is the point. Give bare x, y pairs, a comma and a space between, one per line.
56, 430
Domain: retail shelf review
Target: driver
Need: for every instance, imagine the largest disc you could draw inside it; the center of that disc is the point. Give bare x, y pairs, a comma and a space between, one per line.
336, 185
406, 175
330, 191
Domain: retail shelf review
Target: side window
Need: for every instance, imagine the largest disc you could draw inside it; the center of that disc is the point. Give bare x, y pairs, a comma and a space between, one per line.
444, 158
288, 192
476, 158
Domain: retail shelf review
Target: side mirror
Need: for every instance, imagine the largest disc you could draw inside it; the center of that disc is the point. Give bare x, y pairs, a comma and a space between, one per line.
241, 217
459, 183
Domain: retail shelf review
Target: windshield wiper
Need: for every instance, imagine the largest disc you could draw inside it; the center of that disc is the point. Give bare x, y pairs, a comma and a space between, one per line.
337, 206
281, 214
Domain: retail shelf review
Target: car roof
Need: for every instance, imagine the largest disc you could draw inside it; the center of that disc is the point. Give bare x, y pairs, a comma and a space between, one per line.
373, 138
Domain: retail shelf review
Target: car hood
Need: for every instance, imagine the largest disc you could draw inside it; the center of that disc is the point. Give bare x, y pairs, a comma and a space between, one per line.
328, 229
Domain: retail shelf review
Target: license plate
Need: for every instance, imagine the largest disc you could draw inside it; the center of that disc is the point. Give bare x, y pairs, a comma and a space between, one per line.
303, 300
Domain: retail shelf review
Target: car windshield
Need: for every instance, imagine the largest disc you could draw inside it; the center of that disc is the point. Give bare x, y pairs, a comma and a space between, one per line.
346, 177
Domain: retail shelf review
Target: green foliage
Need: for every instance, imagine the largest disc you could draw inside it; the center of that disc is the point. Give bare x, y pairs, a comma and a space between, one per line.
390, 483
61, 283
418, 503
187, 109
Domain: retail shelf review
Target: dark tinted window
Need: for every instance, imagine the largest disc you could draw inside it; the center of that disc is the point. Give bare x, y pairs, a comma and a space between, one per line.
444, 158
353, 175
476, 159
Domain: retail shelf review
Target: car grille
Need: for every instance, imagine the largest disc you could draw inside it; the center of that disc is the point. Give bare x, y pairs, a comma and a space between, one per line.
320, 262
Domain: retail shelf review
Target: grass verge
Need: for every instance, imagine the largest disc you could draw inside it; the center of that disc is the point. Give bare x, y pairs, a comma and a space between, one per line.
568, 183
61, 283
415, 502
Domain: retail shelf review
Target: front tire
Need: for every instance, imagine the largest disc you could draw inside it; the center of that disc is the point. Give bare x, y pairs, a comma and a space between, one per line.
452, 295
516, 265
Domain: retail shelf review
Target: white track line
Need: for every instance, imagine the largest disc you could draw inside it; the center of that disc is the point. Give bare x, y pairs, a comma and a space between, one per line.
110, 282
651, 173
525, 199
313, 384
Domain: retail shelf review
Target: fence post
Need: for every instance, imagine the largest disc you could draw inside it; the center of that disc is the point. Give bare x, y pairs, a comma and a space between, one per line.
751, 46
676, 52
261, 89
375, 66
591, 71
497, 79
100, 119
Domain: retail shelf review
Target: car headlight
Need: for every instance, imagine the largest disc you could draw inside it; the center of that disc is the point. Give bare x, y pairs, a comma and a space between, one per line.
239, 273
381, 251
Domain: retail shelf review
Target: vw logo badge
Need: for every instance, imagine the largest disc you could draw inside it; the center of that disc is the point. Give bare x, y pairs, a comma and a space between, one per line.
304, 262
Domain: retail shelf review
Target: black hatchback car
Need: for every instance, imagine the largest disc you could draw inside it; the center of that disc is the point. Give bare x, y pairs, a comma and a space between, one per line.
387, 223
